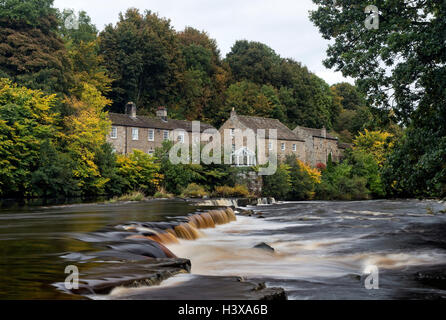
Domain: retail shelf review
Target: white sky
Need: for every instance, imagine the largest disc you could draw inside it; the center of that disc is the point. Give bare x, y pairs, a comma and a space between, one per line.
284, 25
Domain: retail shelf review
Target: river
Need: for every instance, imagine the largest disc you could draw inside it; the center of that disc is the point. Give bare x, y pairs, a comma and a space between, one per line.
321, 249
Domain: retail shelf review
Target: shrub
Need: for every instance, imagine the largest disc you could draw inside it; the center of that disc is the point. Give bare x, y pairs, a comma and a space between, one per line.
194, 190
303, 179
138, 171
133, 196
163, 194
277, 185
341, 184
238, 191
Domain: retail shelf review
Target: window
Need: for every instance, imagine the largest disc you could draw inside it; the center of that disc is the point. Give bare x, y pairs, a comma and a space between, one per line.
180, 137
114, 133
294, 147
165, 135
232, 132
283, 146
233, 148
270, 146
135, 134
151, 135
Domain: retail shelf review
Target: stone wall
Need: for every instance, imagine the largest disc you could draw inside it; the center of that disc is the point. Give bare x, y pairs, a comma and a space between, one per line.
233, 123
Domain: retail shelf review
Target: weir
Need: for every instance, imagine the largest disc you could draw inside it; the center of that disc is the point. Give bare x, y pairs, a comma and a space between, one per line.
169, 234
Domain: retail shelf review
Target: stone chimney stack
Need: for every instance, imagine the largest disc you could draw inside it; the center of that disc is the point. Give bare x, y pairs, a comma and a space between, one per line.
324, 132
130, 109
162, 113
233, 113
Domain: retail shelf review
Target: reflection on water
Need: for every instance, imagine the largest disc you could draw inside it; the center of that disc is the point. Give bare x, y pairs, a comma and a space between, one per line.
33, 240
320, 248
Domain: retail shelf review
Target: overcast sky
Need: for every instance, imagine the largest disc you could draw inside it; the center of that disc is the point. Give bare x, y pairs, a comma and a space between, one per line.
281, 24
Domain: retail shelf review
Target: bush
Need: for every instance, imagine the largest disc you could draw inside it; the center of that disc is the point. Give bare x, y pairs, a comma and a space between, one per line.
238, 191
194, 190
277, 185
138, 171
340, 184
163, 194
303, 178
133, 196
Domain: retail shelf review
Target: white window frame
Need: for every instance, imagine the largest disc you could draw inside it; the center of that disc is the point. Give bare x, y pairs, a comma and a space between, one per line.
164, 135
180, 137
135, 134
283, 146
270, 146
151, 132
294, 147
114, 133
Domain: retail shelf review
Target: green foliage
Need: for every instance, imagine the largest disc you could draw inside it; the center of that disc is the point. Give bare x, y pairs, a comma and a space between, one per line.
254, 61
29, 12
194, 190
53, 176
32, 53
303, 179
238, 191
86, 31
26, 120
142, 54
400, 67
277, 185
417, 166
341, 183
138, 171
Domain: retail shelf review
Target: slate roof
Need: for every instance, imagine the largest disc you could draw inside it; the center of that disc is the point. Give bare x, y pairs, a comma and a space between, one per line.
316, 132
119, 119
283, 132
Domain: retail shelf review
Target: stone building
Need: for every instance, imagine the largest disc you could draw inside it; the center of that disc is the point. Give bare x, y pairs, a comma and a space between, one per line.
288, 142
133, 132
319, 145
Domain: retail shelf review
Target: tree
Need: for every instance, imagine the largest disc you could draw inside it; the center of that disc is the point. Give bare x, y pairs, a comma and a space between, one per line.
400, 66
278, 185
86, 132
31, 52
85, 30
27, 119
142, 54
376, 143
205, 79
139, 171
251, 99
254, 61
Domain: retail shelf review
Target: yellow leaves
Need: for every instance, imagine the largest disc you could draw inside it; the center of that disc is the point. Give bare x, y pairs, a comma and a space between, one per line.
313, 173
377, 143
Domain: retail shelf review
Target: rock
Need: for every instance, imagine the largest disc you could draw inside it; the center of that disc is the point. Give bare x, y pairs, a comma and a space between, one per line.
198, 288
264, 246
103, 279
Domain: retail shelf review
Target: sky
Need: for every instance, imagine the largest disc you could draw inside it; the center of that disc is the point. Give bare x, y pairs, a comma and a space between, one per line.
284, 25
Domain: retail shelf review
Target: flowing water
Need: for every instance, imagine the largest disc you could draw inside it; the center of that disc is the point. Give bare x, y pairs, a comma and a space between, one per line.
321, 249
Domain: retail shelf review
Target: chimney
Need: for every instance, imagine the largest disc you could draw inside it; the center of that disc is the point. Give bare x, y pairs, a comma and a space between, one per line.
130, 109
233, 113
324, 132
162, 113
